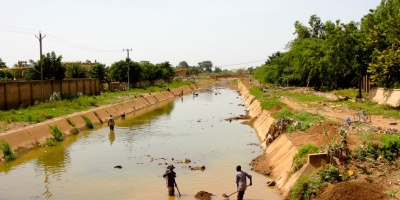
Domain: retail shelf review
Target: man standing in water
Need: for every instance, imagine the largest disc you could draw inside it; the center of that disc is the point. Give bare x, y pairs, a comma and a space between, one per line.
241, 182
170, 175
111, 122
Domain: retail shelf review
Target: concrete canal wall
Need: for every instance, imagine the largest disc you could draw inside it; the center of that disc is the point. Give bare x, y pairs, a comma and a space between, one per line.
22, 140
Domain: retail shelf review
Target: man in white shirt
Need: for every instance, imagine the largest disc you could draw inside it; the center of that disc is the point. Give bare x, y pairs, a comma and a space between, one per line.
241, 182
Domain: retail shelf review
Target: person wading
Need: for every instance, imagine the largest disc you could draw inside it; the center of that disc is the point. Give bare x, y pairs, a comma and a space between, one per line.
241, 182
111, 122
170, 175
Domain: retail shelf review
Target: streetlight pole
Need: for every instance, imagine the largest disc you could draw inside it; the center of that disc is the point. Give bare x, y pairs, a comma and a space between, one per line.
41, 66
127, 60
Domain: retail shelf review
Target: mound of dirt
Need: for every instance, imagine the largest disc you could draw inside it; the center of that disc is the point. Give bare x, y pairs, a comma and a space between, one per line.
202, 195
319, 134
261, 165
353, 191
275, 109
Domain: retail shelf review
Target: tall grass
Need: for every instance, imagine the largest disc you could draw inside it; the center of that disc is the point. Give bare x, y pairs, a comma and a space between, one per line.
57, 133
7, 151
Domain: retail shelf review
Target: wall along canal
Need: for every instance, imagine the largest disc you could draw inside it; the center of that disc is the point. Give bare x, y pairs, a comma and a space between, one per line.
82, 166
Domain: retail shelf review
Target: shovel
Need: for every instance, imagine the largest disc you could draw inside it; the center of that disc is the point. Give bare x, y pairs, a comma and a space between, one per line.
227, 196
177, 189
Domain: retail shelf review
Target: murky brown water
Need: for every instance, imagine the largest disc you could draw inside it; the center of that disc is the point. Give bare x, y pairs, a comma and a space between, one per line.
82, 166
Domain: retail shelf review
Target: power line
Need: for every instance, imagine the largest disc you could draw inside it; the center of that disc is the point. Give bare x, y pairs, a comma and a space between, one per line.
243, 63
53, 38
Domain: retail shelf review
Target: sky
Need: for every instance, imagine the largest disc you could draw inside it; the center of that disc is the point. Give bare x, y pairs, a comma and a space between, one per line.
232, 34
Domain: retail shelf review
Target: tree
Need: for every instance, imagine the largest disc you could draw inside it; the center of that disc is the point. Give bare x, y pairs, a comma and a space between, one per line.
2, 64
119, 71
166, 70
97, 71
183, 64
206, 65
52, 68
217, 69
6, 75
75, 70
381, 31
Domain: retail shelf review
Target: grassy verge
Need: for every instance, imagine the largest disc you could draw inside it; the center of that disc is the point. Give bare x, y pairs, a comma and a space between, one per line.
56, 108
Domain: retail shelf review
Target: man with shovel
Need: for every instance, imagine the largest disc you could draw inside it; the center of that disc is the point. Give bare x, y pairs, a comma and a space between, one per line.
241, 182
170, 175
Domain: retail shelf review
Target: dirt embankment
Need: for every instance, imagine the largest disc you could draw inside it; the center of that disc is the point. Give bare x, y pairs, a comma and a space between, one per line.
278, 157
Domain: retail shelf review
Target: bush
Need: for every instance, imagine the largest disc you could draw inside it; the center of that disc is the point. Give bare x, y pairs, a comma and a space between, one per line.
330, 174
49, 143
74, 131
390, 147
367, 152
7, 151
55, 96
304, 188
88, 122
301, 156
57, 133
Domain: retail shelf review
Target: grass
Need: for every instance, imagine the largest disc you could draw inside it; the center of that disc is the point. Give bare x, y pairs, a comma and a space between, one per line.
271, 98
57, 133
89, 123
8, 154
42, 111
302, 155
305, 119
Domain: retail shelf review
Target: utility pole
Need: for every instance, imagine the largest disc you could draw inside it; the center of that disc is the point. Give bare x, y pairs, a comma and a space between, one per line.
41, 67
127, 60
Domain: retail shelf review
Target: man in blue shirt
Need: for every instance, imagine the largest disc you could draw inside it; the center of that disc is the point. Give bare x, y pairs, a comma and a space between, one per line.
170, 175
241, 182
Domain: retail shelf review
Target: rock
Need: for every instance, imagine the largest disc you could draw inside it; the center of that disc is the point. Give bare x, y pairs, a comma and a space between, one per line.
202, 168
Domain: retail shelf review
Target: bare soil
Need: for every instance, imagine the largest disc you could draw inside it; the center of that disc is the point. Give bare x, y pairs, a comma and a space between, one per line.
202, 195
375, 184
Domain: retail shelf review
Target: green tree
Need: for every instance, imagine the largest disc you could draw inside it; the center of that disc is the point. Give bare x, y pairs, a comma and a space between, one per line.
6, 75
97, 71
52, 68
166, 70
217, 69
183, 64
119, 71
206, 65
75, 70
2, 64
381, 31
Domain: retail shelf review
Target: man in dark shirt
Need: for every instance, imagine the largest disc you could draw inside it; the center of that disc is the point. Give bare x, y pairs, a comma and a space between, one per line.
170, 175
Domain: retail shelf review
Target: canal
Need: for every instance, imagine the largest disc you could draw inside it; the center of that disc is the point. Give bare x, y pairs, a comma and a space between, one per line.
143, 144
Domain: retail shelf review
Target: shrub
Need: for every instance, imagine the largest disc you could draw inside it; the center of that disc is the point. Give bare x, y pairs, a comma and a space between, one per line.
57, 133
7, 151
49, 143
330, 174
301, 156
390, 147
74, 130
304, 188
88, 122
56, 96
367, 152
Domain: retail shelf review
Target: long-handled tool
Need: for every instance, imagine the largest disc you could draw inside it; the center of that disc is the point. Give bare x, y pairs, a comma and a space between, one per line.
227, 196
177, 189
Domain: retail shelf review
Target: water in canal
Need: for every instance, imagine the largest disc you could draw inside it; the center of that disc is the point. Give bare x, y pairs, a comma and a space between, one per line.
82, 166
